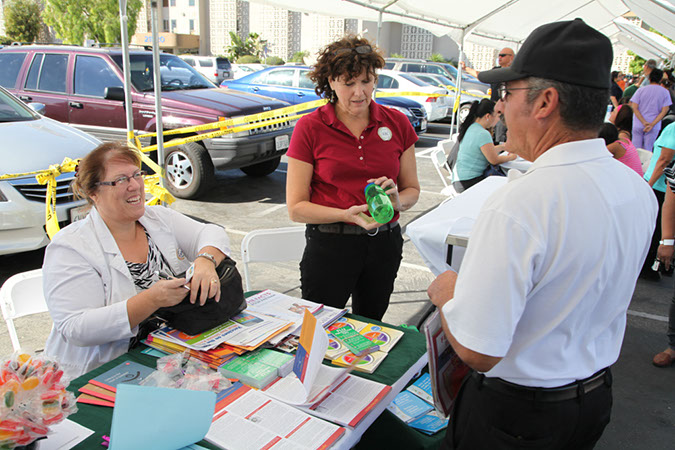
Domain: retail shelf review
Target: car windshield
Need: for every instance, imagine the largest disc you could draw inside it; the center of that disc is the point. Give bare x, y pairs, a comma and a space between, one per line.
175, 73
414, 79
12, 110
223, 63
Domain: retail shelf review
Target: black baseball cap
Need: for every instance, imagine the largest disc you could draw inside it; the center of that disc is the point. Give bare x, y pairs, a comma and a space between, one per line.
571, 52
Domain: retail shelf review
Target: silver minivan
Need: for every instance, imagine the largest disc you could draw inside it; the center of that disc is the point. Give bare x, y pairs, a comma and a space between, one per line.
215, 68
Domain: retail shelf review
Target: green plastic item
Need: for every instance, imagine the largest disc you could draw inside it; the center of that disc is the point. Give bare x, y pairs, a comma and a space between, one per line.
379, 203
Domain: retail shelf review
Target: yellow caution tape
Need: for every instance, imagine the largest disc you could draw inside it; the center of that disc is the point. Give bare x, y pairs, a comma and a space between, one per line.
48, 177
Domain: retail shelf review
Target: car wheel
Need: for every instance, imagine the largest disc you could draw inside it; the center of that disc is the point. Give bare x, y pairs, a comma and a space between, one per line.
189, 170
463, 112
263, 168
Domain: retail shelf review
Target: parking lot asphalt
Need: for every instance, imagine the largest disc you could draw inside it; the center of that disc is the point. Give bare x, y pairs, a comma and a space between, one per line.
644, 399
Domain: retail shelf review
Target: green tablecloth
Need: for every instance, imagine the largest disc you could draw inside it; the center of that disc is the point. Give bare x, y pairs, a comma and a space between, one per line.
386, 429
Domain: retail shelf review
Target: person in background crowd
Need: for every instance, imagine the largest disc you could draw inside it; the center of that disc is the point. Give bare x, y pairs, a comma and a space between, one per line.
335, 152
504, 59
476, 151
647, 68
621, 81
621, 148
664, 154
105, 274
667, 245
538, 309
615, 92
630, 89
650, 104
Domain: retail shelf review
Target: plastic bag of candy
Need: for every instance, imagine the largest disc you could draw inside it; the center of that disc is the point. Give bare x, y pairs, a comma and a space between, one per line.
33, 397
179, 371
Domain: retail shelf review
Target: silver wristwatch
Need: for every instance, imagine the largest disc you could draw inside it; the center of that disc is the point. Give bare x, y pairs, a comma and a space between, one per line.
208, 256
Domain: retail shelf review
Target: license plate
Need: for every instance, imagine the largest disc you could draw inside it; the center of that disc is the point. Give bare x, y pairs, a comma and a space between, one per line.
281, 142
423, 125
78, 213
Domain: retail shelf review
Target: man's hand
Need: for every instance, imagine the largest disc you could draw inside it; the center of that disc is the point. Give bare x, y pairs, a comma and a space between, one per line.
665, 255
648, 127
442, 289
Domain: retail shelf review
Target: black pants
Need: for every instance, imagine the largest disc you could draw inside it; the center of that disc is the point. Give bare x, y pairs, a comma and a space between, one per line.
335, 266
485, 419
656, 236
461, 186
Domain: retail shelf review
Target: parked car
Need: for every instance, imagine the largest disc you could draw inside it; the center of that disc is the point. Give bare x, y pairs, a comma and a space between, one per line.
469, 83
291, 84
215, 68
393, 81
444, 82
83, 87
32, 142
241, 70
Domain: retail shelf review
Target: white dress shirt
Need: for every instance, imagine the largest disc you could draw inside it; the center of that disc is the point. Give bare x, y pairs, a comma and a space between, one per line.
87, 283
551, 267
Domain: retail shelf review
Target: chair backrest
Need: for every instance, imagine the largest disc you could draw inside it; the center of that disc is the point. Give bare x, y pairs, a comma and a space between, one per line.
645, 157
271, 245
21, 295
439, 159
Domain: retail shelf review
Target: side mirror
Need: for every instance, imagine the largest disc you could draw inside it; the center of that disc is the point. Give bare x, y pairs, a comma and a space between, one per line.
114, 93
39, 108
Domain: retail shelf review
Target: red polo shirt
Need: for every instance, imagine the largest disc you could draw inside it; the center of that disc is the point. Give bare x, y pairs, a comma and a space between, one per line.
343, 163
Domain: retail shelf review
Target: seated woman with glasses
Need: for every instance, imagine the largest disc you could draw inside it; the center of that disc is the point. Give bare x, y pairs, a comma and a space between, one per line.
105, 274
335, 152
477, 154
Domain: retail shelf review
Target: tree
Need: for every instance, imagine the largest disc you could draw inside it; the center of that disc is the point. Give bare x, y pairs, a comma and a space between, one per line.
238, 47
396, 55
77, 20
635, 66
299, 57
22, 20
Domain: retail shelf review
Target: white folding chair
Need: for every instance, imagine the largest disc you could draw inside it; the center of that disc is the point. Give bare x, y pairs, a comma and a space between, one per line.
645, 157
440, 160
21, 295
271, 245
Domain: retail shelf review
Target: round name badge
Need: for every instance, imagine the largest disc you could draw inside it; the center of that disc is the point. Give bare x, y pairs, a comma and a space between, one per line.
179, 254
384, 133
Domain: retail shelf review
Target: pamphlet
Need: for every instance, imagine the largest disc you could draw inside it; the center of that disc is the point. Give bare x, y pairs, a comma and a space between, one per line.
446, 369
384, 337
430, 423
366, 363
422, 388
347, 322
408, 407
355, 342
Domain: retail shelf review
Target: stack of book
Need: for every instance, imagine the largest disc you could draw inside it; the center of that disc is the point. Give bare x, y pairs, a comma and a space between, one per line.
101, 390
384, 337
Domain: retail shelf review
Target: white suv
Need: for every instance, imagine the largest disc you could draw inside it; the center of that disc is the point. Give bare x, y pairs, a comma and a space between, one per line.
215, 68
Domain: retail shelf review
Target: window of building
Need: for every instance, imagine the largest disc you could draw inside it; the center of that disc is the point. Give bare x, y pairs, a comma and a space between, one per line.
173, 25
165, 3
166, 25
191, 3
173, 2
192, 25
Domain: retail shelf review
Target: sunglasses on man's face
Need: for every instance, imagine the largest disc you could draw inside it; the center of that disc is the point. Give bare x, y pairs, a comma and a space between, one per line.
503, 55
361, 50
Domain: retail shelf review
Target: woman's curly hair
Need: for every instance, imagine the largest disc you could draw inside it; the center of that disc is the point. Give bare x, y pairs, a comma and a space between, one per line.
348, 64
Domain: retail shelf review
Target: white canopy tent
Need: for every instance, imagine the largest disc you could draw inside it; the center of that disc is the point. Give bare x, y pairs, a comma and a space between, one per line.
659, 14
646, 44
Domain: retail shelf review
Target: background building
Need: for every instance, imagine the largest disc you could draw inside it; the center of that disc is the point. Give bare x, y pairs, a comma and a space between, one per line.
279, 27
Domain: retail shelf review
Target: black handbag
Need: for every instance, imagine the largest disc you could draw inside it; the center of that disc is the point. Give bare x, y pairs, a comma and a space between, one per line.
191, 318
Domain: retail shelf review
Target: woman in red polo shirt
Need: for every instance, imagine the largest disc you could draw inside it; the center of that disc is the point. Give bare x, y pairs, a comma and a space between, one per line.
335, 152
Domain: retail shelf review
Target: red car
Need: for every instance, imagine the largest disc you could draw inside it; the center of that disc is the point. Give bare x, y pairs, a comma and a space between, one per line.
83, 87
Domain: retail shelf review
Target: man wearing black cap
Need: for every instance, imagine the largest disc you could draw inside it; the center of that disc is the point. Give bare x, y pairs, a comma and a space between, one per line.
564, 242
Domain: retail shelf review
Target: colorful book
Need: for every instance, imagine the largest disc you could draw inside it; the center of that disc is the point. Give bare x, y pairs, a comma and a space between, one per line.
347, 322
384, 337
357, 343
368, 363
408, 407
128, 372
253, 374
335, 348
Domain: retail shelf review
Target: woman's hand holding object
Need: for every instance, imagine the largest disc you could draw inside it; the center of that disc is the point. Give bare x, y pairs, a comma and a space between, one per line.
205, 281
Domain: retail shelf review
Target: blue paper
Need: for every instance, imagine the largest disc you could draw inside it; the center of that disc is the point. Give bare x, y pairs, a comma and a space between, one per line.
422, 388
430, 423
152, 418
408, 407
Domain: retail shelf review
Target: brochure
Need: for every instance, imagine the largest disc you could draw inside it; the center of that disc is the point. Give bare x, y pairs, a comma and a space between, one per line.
366, 363
422, 388
430, 423
446, 369
408, 407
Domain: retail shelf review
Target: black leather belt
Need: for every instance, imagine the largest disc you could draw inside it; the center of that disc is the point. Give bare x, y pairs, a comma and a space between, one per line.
557, 394
346, 228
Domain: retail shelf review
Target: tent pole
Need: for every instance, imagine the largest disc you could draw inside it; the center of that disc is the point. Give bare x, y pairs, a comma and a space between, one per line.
458, 83
128, 108
159, 128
